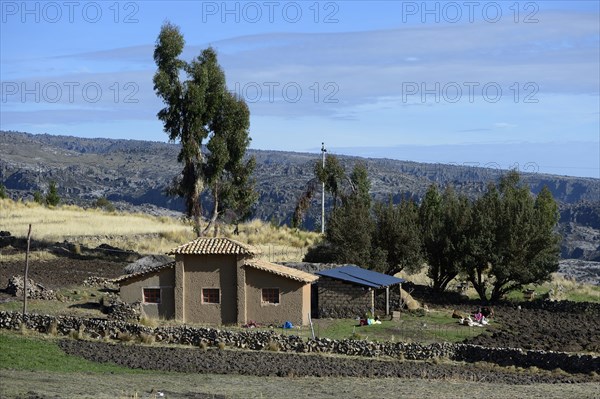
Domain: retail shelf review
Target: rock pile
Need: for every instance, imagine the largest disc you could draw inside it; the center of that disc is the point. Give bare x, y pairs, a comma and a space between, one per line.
34, 290
117, 310
98, 282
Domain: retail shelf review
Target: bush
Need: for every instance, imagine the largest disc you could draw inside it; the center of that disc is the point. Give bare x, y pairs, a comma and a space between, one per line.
147, 338
221, 345
148, 321
320, 253
125, 336
105, 204
38, 198
3, 194
53, 327
52, 197
273, 346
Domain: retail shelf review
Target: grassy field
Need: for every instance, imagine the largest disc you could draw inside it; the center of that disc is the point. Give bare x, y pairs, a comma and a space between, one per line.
34, 366
139, 232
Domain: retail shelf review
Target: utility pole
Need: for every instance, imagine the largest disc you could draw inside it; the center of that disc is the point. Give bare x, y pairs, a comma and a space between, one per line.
323, 151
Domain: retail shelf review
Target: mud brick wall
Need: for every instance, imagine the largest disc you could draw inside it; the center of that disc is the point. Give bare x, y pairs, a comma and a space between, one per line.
339, 299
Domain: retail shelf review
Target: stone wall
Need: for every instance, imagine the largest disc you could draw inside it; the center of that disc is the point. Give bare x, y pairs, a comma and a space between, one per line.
339, 299
258, 340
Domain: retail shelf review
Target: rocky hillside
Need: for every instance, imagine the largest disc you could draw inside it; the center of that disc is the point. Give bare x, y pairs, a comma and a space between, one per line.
137, 173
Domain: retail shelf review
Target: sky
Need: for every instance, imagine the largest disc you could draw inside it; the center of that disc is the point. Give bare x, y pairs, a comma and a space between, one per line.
501, 84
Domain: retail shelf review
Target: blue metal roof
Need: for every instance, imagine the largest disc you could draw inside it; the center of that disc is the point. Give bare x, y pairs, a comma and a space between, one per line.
357, 275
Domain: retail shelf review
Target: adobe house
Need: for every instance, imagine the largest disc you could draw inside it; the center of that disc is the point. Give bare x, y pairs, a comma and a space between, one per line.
219, 281
349, 291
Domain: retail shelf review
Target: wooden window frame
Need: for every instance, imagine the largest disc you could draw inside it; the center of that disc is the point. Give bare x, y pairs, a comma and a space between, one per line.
145, 297
270, 294
209, 296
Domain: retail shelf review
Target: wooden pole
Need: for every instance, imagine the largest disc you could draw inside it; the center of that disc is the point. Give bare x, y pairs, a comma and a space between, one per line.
26, 274
312, 328
387, 301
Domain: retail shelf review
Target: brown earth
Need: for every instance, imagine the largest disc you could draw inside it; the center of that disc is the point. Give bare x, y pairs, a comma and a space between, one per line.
536, 325
558, 326
61, 272
555, 328
231, 361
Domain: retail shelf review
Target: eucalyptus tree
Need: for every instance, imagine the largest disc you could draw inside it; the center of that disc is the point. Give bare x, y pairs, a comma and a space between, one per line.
200, 112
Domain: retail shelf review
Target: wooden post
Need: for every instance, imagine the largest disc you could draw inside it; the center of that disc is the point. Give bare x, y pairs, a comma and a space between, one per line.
26, 274
312, 328
387, 301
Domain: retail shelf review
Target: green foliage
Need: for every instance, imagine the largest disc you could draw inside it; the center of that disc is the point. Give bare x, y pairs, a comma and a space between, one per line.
512, 238
527, 246
36, 354
38, 197
332, 174
444, 223
52, 198
350, 228
3, 194
198, 109
397, 232
503, 240
105, 204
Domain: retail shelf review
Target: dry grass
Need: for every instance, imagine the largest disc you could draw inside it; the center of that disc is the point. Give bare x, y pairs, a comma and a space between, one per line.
9, 254
419, 278
65, 222
121, 385
141, 233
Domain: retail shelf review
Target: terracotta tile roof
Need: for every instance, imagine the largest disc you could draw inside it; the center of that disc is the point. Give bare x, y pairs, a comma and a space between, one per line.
214, 246
143, 272
280, 270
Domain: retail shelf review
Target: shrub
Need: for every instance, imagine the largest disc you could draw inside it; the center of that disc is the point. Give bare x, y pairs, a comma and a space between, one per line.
3, 194
273, 346
221, 345
124, 336
147, 338
203, 345
148, 321
105, 204
38, 198
52, 197
53, 327
72, 334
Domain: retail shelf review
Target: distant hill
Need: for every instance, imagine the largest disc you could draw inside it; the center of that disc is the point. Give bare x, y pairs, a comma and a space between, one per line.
137, 173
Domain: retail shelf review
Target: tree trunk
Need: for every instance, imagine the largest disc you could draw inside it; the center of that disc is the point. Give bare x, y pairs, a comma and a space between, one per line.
479, 284
215, 215
497, 292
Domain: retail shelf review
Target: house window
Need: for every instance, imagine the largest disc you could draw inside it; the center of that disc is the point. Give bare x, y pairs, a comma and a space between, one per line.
151, 295
270, 295
211, 295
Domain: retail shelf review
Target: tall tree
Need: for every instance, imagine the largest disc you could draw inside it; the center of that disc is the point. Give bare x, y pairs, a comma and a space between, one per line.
444, 220
482, 245
350, 228
512, 238
398, 233
332, 175
431, 220
527, 244
197, 109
